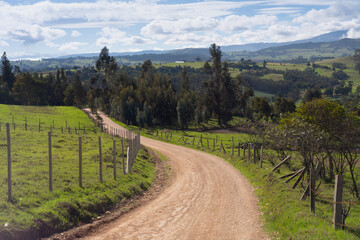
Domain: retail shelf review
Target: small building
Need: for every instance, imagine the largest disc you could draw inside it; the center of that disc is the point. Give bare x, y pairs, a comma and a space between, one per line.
179, 61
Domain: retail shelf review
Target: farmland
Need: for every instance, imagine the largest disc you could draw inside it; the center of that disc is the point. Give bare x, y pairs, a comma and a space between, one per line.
33, 207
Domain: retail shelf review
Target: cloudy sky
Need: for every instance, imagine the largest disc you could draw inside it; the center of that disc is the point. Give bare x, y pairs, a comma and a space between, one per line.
58, 27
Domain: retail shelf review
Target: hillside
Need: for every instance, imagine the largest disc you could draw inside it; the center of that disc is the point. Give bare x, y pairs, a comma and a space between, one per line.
311, 50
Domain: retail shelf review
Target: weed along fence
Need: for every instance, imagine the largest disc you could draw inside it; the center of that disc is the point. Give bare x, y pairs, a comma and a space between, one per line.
253, 151
40, 161
333, 210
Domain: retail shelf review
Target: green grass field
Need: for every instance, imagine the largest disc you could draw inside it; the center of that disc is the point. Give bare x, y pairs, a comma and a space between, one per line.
68, 204
285, 216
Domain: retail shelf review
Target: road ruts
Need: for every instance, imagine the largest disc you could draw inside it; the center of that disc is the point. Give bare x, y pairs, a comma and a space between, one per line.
207, 199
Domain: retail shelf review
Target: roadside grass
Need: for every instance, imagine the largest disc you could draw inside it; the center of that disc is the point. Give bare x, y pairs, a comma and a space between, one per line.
34, 208
285, 215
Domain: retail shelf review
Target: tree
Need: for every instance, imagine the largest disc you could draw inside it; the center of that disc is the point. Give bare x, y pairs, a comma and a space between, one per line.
357, 59
186, 101
312, 93
7, 74
102, 63
106, 64
79, 91
324, 131
26, 91
283, 105
219, 89
260, 107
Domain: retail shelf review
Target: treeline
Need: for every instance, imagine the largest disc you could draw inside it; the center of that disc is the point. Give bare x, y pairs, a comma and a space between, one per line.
143, 95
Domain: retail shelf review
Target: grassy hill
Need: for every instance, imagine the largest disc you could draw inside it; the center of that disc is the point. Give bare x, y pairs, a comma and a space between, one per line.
34, 210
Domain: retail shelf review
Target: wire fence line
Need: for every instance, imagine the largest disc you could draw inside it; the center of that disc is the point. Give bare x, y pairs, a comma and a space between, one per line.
55, 169
254, 151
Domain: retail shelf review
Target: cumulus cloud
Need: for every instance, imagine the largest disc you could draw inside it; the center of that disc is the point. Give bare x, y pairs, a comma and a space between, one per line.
71, 46
340, 10
235, 22
113, 36
75, 34
161, 29
353, 33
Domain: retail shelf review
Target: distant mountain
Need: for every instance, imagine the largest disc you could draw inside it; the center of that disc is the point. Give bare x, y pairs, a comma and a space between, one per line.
304, 50
115, 54
328, 37
308, 50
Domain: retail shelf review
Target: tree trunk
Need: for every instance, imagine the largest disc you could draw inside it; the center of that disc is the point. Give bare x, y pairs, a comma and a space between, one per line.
354, 182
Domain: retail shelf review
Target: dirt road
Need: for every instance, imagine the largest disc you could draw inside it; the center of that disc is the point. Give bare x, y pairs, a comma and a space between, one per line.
208, 199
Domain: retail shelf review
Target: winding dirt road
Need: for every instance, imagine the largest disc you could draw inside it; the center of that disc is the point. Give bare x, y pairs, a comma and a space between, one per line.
208, 199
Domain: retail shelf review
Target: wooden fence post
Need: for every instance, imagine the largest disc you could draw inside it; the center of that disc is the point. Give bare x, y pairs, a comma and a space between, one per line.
220, 145
127, 160
232, 147
254, 152
80, 162
122, 153
114, 152
50, 163
338, 208
239, 150
207, 143
249, 150
261, 155
244, 149
100, 162
312, 190
214, 145
9, 159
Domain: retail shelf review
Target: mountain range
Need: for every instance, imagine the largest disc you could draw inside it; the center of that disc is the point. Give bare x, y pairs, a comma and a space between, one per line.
323, 46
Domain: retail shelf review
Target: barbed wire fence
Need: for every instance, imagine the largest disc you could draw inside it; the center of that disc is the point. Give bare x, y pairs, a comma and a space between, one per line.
254, 151
130, 150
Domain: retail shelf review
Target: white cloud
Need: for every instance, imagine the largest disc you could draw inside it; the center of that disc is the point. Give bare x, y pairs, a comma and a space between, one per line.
235, 22
340, 11
353, 33
71, 46
113, 36
3, 43
279, 10
161, 29
75, 34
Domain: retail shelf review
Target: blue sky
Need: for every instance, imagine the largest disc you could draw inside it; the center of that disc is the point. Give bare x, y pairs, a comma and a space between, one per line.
34, 29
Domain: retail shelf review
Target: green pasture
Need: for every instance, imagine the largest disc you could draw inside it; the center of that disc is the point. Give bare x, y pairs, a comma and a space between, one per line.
185, 64
68, 204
